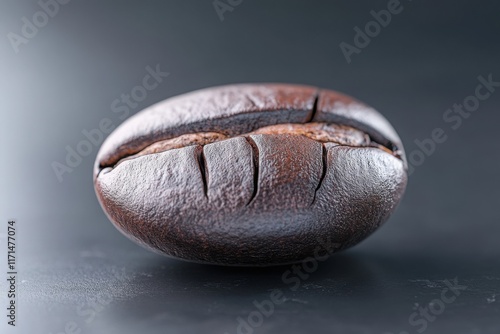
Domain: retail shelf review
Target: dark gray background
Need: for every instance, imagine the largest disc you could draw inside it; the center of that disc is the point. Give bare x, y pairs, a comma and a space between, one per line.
76, 268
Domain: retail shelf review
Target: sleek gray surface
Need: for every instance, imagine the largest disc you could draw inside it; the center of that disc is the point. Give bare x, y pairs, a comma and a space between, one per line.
73, 261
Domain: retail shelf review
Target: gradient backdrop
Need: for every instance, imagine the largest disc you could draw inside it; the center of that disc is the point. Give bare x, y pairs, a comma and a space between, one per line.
77, 274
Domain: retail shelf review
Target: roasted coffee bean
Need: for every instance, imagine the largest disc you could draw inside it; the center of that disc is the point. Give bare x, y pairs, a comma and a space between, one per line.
252, 174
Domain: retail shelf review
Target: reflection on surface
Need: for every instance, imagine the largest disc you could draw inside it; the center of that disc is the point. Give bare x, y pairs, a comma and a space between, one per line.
353, 290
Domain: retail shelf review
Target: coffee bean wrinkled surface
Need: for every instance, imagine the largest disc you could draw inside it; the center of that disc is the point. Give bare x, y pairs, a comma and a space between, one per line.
251, 174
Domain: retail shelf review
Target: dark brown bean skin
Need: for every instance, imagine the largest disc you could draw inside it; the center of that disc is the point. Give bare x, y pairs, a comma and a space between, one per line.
230, 191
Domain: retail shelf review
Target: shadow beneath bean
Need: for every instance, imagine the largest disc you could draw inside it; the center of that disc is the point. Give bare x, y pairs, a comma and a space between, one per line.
166, 283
